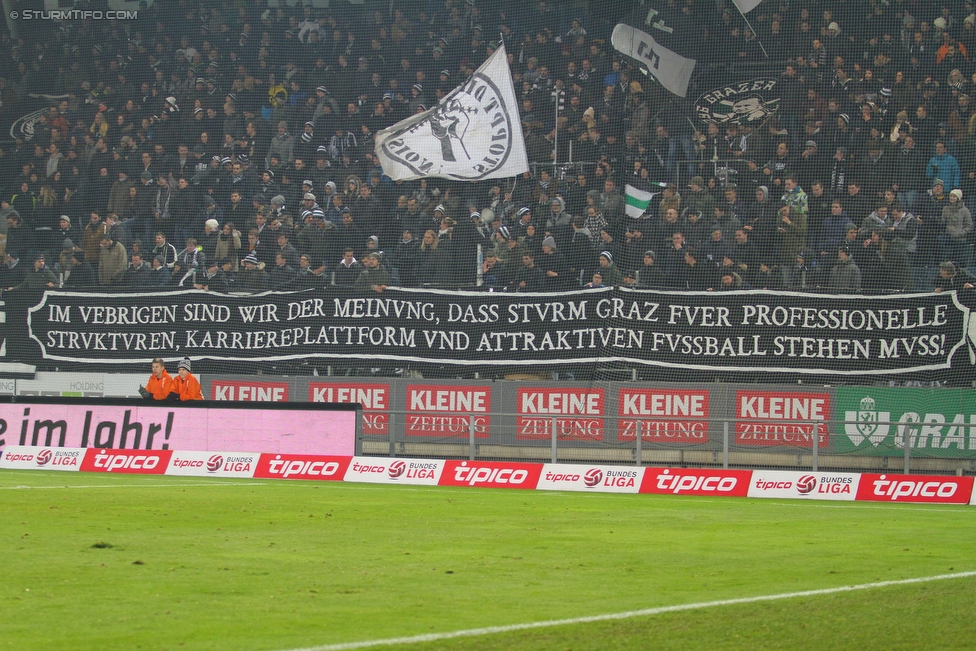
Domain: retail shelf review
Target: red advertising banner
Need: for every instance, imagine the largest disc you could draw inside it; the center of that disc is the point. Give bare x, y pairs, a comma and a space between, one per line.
491, 474
374, 399
302, 466
664, 415
441, 410
914, 488
776, 418
249, 390
696, 481
139, 462
578, 412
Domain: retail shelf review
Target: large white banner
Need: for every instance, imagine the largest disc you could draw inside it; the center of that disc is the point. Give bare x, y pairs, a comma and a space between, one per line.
474, 133
671, 70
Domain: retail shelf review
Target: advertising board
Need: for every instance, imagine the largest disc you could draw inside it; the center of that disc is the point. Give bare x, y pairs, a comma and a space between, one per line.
141, 425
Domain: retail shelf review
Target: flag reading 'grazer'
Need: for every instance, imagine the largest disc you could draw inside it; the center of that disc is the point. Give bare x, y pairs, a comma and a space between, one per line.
473, 133
637, 201
671, 70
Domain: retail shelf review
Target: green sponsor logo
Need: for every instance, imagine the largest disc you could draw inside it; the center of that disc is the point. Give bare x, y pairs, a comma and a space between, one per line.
880, 421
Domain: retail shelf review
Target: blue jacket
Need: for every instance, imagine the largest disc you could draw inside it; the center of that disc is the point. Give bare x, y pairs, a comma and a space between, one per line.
944, 167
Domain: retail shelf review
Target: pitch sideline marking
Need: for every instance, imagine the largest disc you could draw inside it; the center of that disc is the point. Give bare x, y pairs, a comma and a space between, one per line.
491, 630
208, 484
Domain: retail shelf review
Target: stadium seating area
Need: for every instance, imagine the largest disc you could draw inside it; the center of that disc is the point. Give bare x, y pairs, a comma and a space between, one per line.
230, 147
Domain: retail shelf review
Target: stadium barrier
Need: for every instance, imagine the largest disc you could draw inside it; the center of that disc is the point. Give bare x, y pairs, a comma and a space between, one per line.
856, 428
502, 474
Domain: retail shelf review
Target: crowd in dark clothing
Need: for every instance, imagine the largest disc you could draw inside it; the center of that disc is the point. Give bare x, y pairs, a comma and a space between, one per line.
230, 147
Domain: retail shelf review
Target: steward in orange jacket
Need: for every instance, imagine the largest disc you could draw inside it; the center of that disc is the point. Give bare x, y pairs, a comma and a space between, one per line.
160, 383
185, 384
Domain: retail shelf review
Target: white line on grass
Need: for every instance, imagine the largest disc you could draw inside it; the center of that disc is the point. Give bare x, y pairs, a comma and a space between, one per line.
491, 630
208, 484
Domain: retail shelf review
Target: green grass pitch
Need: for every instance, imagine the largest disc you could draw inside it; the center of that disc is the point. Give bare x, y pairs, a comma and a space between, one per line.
125, 562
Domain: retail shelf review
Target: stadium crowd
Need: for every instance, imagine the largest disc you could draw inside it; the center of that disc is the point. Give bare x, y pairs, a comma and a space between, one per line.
230, 147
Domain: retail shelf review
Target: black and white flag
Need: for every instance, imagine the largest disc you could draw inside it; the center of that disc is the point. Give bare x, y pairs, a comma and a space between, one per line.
671, 70
473, 133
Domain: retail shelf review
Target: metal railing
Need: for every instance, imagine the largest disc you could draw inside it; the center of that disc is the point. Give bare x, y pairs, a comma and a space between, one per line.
816, 445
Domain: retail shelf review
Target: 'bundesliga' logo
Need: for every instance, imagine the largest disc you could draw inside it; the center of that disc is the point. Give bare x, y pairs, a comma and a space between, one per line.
867, 424
396, 469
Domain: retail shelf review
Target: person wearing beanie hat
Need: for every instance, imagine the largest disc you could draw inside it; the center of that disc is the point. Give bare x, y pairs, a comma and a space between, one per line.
845, 276
954, 241
649, 274
37, 278
252, 278
282, 146
160, 383
612, 277
556, 272
185, 386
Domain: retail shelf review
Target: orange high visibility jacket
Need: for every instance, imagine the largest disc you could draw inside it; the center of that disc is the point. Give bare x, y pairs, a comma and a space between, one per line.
188, 389
160, 388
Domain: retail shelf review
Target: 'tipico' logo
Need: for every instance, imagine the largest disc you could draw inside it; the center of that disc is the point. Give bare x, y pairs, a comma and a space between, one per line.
870, 424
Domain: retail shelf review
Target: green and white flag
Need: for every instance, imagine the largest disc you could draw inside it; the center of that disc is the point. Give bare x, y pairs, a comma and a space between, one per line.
637, 201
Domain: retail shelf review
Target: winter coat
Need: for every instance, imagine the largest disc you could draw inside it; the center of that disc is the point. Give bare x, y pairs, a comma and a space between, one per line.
111, 264
958, 220
845, 277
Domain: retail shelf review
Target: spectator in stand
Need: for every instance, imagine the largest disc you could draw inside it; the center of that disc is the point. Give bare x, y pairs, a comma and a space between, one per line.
845, 276
649, 275
38, 278
955, 241
943, 166
951, 277
111, 261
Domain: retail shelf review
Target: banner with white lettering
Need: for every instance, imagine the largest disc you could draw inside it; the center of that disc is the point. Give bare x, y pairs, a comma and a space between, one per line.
473, 133
772, 332
670, 69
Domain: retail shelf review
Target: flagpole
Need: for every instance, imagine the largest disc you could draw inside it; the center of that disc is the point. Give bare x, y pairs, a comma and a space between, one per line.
754, 32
